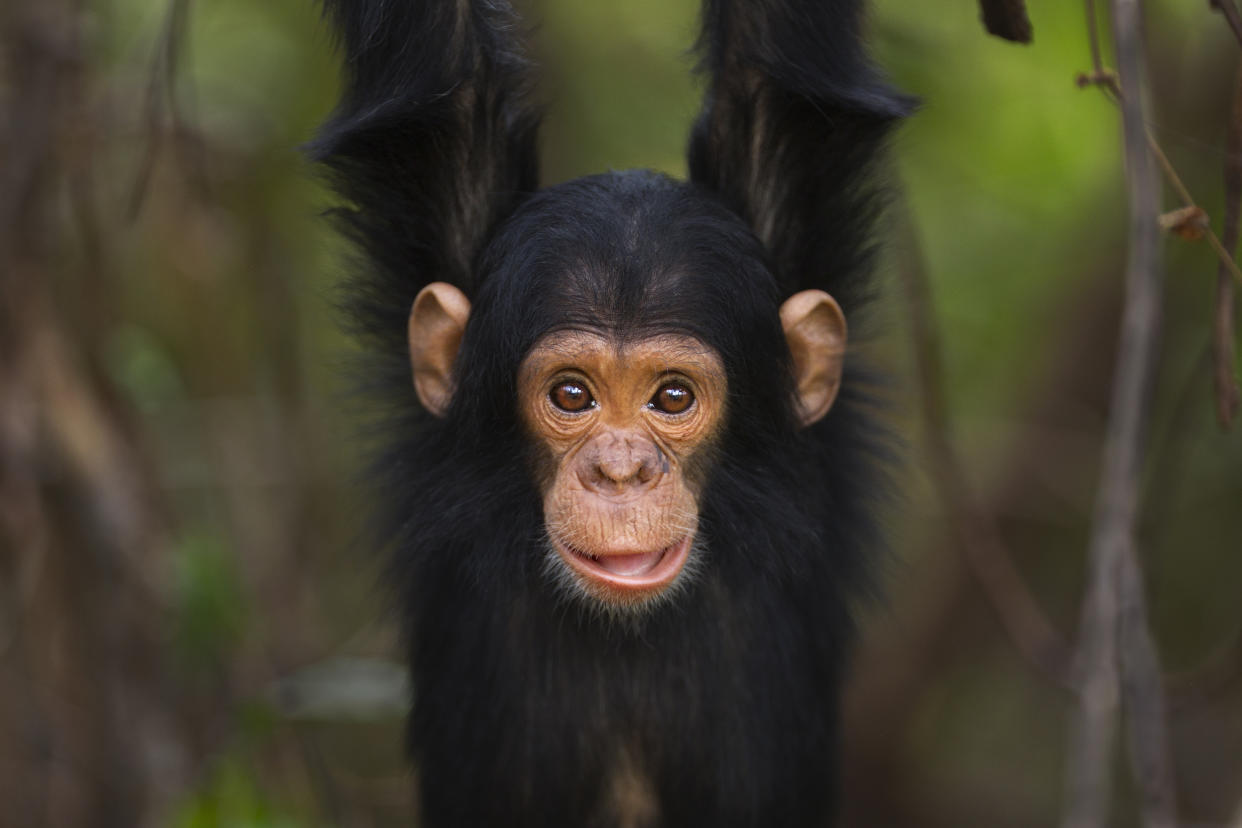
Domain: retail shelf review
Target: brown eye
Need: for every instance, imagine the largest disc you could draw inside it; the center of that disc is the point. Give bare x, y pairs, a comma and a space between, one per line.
672, 398
572, 397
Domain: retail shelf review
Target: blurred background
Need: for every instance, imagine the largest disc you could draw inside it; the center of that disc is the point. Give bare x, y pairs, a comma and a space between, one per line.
190, 632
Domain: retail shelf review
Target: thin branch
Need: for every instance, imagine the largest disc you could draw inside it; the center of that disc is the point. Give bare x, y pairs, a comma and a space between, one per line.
161, 92
1175, 181
1142, 692
1221, 670
1113, 612
1227, 397
1093, 38
1034, 635
1091, 741
1227, 8
1109, 82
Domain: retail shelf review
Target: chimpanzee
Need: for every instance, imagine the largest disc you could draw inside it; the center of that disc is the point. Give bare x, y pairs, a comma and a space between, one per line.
627, 529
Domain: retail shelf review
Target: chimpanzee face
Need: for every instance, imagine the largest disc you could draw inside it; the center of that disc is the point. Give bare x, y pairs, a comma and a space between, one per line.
625, 431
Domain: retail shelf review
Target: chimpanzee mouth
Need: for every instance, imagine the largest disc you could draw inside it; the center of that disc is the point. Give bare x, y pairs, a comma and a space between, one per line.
640, 572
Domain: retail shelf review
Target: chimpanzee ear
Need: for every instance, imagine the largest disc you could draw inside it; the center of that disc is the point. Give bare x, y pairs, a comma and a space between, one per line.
816, 332
437, 322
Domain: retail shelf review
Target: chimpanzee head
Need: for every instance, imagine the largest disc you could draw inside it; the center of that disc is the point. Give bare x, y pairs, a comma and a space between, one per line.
630, 327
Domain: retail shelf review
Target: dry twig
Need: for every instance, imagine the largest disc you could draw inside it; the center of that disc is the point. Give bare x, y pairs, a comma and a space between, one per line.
161, 92
1114, 616
1142, 692
1110, 83
1227, 8
1093, 37
1227, 400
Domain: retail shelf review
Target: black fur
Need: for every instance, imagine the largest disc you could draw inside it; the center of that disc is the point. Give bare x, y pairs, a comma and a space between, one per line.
720, 708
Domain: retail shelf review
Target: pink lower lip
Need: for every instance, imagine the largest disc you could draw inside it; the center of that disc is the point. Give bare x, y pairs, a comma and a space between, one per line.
645, 571
629, 566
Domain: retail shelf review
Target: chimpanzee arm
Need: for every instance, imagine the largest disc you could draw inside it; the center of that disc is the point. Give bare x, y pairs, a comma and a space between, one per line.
793, 117
433, 142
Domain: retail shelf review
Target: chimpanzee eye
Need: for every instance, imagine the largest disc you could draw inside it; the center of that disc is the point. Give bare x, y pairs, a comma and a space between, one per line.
571, 396
672, 398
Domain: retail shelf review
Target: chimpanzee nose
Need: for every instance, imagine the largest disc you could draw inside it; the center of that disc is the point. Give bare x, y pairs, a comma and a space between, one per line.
617, 461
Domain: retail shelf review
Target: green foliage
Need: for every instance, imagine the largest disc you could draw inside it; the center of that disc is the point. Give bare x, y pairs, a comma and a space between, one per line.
139, 364
211, 612
232, 798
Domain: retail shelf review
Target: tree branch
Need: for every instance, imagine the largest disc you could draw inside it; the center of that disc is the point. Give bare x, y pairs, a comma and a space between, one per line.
1230, 11
1114, 608
1108, 81
1093, 38
161, 92
1227, 398
1142, 692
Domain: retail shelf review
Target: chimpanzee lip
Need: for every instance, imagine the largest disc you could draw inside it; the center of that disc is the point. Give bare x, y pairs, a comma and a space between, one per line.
627, 572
